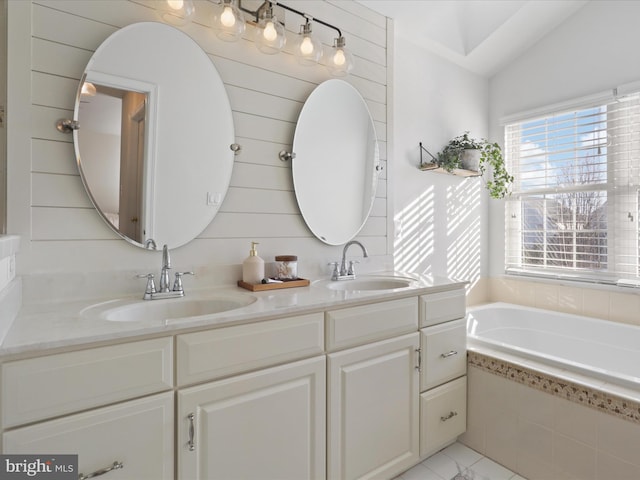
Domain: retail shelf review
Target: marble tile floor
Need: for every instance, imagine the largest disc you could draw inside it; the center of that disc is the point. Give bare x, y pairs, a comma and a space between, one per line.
458, 462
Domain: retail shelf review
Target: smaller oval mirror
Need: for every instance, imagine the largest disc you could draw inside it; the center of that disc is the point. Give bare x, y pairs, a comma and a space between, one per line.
154, 137
335, 169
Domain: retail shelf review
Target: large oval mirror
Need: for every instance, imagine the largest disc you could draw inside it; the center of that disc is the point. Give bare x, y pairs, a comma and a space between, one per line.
154, 136
336, 164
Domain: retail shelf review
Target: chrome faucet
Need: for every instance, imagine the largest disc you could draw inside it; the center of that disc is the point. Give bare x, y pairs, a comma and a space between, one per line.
164, 273
347, 273
165, 291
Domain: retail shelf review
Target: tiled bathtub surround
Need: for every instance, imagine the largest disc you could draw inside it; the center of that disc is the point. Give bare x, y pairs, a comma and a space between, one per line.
545, 427
618, 304
591, 397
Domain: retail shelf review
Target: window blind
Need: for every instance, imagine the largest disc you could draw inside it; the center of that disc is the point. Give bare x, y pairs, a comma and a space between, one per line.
574, 208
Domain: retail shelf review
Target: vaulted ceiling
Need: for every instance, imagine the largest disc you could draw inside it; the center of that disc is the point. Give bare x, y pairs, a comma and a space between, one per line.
479, 35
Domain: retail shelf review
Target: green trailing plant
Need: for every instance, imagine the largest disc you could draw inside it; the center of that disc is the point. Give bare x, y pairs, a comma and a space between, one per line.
490, 157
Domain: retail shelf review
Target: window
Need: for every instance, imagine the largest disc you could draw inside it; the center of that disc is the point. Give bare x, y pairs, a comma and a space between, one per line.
574, 207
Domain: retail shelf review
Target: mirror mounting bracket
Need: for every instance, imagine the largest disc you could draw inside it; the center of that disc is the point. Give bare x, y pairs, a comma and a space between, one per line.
66, 125
286, 156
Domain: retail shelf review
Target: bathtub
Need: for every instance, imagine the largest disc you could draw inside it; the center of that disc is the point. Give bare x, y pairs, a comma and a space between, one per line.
600, 349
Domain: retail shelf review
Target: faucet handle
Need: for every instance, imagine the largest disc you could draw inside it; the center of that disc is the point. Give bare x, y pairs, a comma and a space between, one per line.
335, 274
151, 284
352, 270
177, 284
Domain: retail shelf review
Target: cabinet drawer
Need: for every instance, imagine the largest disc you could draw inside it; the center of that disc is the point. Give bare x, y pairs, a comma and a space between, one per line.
444, 353
45, 387
138, 434
213, 354
442, 307
443, 415
357, 325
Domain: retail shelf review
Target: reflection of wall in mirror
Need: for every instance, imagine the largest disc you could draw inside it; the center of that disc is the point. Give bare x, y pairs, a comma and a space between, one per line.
101, 141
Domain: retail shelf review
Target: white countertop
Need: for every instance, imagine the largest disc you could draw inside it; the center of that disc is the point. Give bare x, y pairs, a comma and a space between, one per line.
41, 328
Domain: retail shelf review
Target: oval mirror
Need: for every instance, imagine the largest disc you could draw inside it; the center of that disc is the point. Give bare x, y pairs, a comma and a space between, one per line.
335, 169
154, 136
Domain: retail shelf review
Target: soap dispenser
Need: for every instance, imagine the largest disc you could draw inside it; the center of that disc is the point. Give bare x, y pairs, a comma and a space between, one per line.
253, 267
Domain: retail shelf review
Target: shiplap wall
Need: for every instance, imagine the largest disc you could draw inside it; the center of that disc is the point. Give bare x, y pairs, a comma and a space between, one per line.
64, 234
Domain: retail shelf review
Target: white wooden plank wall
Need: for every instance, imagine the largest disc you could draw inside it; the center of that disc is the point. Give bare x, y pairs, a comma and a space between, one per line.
266, 94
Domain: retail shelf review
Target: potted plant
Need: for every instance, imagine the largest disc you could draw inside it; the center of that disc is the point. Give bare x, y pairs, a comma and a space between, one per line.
468, 153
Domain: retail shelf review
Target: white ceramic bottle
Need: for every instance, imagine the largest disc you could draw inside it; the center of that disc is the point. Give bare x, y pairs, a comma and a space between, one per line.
253, 267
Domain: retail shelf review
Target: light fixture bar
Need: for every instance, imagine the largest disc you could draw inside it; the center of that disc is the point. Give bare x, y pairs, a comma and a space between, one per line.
267, 4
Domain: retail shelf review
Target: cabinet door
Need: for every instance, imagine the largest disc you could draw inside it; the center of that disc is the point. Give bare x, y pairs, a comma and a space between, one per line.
373, 409
137, 434
268, 424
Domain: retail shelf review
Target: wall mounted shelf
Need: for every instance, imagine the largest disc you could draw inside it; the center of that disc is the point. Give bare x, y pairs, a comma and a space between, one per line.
433, 166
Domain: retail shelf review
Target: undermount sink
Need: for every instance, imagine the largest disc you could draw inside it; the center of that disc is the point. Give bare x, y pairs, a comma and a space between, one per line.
167, 309
371, 283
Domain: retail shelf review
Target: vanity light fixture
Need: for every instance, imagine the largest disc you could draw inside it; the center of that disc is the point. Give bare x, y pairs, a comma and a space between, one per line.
177, 12
340, 62
228, 21
269, 35
308, 50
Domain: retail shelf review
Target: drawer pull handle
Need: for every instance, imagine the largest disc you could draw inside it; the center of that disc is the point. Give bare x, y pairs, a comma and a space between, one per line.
192, 433
115, 466
448, 354
451, 415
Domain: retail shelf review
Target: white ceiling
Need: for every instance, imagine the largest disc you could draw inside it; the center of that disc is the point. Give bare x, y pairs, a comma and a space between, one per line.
479, 35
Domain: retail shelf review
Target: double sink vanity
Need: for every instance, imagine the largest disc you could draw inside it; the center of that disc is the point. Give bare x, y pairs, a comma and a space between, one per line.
338, 380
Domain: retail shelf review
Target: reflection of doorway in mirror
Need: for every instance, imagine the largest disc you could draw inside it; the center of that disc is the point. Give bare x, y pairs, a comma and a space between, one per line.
114, 149
132, 222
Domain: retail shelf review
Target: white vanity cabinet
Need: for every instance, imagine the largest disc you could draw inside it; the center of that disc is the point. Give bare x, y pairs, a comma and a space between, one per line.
443, 398
337, 393
266, 423
373, 391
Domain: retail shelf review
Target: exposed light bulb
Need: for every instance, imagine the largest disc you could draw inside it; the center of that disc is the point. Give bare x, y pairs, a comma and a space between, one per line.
175, 4
306, 47
341, 62
228, 19
339, 58
177, 12
269, 32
